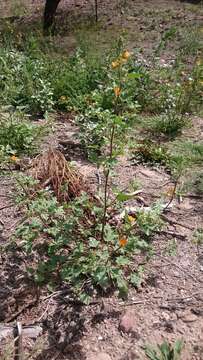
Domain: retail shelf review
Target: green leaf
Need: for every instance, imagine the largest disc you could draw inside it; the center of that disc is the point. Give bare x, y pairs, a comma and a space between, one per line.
151, 353
165, 350
122, 286
123, 197
93, 243
178, 346
122, 261
110, 234
39, 277
135, 279
134, 75
85, 298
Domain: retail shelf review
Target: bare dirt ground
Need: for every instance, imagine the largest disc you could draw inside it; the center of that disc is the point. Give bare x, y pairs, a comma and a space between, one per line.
169, 302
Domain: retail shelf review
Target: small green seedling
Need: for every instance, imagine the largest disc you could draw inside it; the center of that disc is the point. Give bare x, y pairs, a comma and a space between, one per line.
165, 351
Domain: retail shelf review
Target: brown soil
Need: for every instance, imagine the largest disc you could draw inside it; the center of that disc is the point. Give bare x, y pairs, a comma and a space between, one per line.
168, 304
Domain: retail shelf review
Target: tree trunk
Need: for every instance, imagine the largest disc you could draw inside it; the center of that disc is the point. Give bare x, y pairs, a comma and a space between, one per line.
49, 13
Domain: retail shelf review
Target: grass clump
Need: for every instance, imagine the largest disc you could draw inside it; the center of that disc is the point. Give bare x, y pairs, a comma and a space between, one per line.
169, 126
148, 152
165, 351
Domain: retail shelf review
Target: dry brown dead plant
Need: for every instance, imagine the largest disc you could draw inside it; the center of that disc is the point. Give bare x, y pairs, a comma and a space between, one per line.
52, 169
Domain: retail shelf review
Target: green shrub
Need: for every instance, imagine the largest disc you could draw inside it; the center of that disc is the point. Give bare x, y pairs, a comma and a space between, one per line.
67, 239
18, 135
24, 82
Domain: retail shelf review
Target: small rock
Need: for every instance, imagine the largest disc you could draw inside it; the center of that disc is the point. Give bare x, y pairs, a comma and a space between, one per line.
187, 318
99, 356
128, 322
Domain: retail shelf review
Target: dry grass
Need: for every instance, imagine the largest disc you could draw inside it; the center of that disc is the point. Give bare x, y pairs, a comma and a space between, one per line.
51, 169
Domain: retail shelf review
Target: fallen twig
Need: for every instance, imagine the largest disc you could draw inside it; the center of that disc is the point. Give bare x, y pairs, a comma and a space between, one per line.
195, 196
29, 331
172, 195
45, 311
185, 297
18, 342
55, 293
173, 222
130, 303
7, 206
172, 233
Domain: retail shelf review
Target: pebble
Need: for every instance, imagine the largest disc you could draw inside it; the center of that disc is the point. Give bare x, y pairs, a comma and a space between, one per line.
128, 323
188, 318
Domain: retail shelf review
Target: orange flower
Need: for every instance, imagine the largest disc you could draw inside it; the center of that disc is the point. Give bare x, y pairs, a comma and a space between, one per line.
115, 64
126, 55
117, 91
122, 241
14, 158
123, 61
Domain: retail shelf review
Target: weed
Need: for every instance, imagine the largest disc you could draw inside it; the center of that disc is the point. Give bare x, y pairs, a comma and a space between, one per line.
149, 152
68, 239
165, 351
112, 103
198, 238
190, 43
198, 184
24, 83
18, 135
194, 181
184, 155
171, 249
80, 245
176, 157
170, 125
166, 37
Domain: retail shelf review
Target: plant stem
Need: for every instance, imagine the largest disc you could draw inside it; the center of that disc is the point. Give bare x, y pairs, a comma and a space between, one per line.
106, 183
172, 195
107, 173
